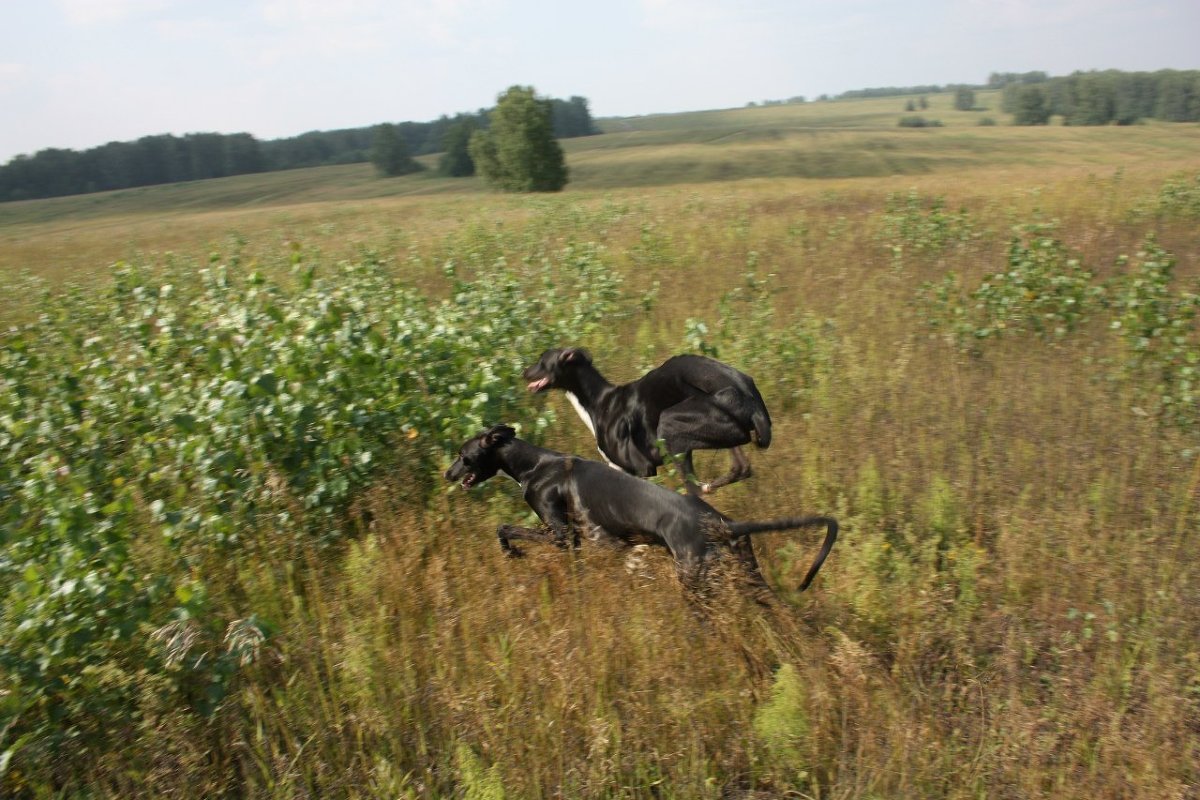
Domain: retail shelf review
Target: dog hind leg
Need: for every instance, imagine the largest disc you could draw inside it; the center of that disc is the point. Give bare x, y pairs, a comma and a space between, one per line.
739, 470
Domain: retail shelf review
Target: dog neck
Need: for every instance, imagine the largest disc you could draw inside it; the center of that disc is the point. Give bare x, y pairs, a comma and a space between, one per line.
586, 389
518, 459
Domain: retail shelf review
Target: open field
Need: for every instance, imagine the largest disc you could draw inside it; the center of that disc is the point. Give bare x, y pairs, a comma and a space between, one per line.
269, 591
831, 141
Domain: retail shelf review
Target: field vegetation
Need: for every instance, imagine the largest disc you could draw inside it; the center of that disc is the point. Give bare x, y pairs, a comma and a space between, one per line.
229, 566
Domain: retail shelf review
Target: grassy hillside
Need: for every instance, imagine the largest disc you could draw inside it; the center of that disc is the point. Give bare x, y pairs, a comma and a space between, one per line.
232, 567
831, 141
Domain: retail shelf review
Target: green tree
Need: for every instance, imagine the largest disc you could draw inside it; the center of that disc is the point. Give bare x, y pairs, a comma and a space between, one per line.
1032, 106
389, 153
964, 98
519, 153
572, 118
456, 161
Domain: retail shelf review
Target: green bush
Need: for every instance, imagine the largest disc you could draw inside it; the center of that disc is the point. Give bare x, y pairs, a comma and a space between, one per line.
1180, 197
147, 433
1156, 327
913, 223
919, 122
1044, 291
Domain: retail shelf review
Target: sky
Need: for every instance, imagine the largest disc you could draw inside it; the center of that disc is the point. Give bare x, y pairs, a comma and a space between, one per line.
79, 73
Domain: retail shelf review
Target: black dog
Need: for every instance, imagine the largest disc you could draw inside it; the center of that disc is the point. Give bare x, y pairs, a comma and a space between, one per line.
574, 496
690, 402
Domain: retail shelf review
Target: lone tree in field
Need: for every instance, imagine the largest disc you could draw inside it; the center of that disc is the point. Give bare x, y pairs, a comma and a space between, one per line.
389, 152
519, 153
964, 98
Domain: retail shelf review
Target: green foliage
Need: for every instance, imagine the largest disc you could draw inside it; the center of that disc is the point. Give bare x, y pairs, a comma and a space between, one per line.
519, 152
1180, 197
1157, 330
912, 223
478, 782
964, 98
147, 434
1044, 290
781, 721
1030, 105
389, 152
572, 117
456, 162
919, 122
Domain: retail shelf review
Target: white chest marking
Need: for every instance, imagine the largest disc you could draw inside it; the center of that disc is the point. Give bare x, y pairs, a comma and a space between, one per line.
591, 426
582, 412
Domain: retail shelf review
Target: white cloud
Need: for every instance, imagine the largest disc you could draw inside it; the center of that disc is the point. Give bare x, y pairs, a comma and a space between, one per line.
1024, 13
12, 75
91, 12
328, 27
677, 14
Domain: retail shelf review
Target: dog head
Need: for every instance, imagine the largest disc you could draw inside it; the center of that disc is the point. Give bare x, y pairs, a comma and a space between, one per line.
553, 369
477, 458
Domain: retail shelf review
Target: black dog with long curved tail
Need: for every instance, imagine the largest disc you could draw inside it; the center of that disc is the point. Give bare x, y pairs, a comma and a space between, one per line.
576, 497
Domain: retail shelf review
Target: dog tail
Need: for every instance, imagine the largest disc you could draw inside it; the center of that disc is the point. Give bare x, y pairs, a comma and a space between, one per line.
762, 426
793, 523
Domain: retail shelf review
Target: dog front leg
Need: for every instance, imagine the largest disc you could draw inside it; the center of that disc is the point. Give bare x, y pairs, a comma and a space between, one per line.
549, 535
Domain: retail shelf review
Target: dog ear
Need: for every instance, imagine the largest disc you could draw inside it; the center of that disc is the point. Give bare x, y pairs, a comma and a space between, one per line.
576, 355
498, 435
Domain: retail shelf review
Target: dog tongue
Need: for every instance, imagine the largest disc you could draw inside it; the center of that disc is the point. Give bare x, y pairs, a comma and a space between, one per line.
538, 385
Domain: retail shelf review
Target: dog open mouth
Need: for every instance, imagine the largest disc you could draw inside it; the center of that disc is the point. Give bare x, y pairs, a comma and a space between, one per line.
469, 480
539, 384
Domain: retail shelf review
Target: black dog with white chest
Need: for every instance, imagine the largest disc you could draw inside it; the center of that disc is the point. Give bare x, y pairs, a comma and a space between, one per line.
576, 497
689, 402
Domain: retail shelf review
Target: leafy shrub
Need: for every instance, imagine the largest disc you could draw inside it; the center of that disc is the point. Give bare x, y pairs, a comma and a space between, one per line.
1157, 330
149, 432
1180, 197
1044, 291
912, 223
918, 121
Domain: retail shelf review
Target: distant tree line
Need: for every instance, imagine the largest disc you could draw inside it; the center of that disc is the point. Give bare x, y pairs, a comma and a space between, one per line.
998, 80
1111, 96
890, 91
167, 158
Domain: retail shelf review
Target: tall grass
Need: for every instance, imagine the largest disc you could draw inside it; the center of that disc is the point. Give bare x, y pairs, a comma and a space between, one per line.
1009, 613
